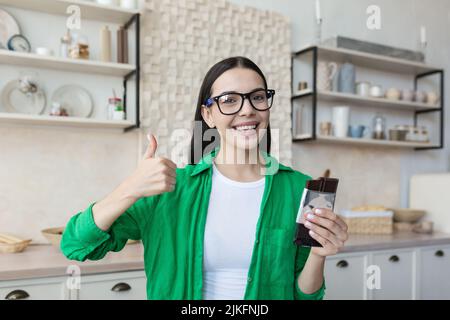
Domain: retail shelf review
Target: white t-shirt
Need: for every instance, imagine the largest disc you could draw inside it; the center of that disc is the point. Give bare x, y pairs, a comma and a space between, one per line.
233, 213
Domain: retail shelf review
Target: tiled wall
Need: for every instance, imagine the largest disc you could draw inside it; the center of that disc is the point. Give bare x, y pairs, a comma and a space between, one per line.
183, 39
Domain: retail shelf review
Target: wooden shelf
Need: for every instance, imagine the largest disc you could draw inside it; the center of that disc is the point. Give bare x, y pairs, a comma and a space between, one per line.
368, 142
43, 120
372, 61
65, 64
367, 101
89, 10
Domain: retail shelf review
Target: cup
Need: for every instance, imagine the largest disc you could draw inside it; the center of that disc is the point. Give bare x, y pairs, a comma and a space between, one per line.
325, 128
341, 117
407, 95
376, 91
432, 98
356, 131
420, 96
363, 88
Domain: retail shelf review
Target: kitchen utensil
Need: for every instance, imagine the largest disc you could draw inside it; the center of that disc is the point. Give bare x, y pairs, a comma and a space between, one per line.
326, 71
393, 94
363, 88
397, 135
341, 118
407, 95
432, 98
420, 96
357, 131
11, 244
376, 91
346, 78
326, 128
16, 101
379, 127
8, 27
75, 99
408, 215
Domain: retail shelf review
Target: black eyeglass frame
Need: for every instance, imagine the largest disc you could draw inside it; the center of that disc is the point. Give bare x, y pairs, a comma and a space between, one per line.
269, 93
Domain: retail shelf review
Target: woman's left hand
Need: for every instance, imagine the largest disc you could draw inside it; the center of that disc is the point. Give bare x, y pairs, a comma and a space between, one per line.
328, 229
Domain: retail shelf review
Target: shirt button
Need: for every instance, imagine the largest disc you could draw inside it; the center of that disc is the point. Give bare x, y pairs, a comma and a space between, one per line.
257, 241
249, 279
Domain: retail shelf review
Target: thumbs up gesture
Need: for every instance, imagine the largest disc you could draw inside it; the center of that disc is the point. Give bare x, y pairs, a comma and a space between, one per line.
154, 175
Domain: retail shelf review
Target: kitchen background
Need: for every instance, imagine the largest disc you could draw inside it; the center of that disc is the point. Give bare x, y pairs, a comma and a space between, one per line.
51, 169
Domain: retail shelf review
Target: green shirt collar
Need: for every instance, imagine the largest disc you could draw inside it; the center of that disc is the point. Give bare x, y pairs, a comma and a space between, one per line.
206, 162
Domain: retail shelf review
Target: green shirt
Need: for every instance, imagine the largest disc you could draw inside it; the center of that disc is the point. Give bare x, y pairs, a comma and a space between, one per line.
171, 226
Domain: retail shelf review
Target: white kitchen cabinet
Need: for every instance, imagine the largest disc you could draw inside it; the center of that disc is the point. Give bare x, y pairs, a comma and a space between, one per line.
397, 276
34, 289
434, 273
129, 285
113, 286
344, 277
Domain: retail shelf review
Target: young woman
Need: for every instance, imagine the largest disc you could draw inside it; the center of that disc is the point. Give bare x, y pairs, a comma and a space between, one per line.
218, 228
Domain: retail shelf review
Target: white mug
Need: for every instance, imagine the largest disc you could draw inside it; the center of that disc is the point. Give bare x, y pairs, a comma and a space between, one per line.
341, 119
326, 71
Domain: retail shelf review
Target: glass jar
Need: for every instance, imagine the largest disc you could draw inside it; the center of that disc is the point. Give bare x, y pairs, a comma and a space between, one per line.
379, 127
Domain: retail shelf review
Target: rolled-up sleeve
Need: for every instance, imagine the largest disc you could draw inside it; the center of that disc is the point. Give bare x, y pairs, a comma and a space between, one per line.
83, 239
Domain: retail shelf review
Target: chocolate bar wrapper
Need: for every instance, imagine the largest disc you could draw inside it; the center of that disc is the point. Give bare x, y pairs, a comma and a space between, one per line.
311, 199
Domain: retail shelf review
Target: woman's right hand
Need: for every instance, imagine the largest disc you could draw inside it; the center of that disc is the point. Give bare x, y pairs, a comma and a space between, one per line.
154, 175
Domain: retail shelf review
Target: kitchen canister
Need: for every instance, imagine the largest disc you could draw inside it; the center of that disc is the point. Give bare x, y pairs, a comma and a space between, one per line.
346, 78
363, 88
341, 119
326, 71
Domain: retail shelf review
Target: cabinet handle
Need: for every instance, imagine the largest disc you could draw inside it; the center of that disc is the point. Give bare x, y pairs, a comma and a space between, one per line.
120, 287
394, 258
342, 264
17, 295
439, 253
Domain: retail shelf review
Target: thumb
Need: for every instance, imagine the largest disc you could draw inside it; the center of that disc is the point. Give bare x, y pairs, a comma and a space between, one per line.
152, 145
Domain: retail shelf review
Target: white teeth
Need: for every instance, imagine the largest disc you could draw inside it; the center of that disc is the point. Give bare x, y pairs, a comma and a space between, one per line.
245, 127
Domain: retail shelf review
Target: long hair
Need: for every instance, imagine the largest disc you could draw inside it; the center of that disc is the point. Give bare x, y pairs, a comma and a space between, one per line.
198, 142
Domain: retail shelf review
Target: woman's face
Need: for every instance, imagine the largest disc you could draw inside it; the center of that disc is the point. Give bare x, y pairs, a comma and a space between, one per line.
242, 130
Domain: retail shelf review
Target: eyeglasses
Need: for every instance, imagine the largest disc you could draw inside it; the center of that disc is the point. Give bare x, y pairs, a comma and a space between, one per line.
232, 102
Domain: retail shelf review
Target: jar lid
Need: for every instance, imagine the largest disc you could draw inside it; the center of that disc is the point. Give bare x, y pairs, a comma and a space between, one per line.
112, 100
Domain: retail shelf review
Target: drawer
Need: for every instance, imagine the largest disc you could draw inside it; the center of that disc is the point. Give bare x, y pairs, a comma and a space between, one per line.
397, 275
344, 277
114, 286
34, 289
434, 268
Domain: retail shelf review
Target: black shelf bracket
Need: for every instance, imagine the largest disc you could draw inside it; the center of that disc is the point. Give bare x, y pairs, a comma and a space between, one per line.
136, 73
440, 110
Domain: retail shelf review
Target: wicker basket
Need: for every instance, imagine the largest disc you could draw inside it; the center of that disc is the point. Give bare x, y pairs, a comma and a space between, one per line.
368, 222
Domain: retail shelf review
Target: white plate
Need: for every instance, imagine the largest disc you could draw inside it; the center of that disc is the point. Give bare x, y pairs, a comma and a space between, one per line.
13, 100
8, 28
75, 99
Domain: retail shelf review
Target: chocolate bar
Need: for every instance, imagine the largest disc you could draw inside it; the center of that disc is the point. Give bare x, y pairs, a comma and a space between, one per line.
320, 193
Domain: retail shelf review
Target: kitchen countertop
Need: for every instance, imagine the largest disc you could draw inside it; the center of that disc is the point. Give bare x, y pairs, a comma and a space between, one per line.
47, 261
397, 240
